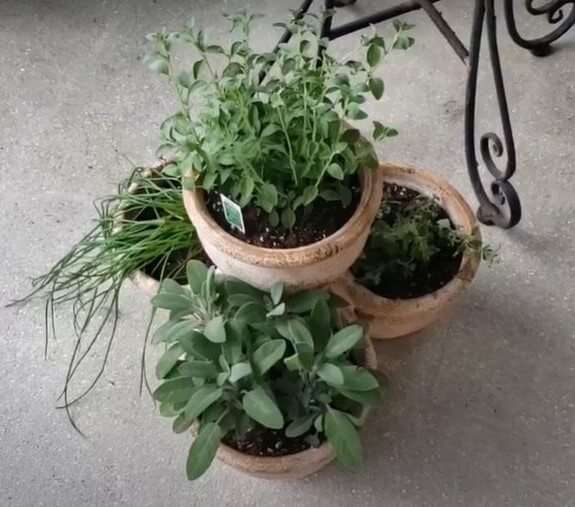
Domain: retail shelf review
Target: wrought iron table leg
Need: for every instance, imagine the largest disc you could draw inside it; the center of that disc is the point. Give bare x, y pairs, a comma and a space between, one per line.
553, 10
500, 206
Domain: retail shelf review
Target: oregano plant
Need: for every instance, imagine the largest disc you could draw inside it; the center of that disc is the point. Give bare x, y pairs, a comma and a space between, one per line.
238, 359
269, 129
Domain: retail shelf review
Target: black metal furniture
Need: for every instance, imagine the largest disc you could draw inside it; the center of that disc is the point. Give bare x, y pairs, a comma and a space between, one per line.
499, 204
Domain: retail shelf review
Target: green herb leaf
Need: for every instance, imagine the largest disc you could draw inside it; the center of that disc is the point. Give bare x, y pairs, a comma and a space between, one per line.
309, 195
343, 437
168, 360
201, 399
175, 390
300, 426
335, 171
203, 450
288, 218
171, 302
370, 398
199, 347
197, 274
171, 287
358, 379
330, 374
373, 55
276, 292
262, 409
355, 112
278, 311
304, 301
215, 330
343, 340
268, 354
376, 87
198, 369
157, 63
182, 423
239, 371
251, 312
320, 323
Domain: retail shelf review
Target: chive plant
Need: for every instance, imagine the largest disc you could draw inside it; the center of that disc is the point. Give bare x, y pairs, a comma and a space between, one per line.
143, 227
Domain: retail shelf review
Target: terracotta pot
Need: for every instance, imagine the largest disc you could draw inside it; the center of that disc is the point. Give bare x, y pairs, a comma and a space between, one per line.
293, 466
298, 268
392, 318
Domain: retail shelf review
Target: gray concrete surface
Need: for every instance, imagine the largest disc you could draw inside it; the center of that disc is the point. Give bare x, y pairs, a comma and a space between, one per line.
483, 406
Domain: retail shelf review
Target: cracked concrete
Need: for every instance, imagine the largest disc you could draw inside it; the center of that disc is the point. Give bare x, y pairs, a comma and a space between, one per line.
483, 406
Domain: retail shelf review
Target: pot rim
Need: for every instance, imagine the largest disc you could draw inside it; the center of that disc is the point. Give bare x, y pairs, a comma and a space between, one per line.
464, 218
348, 233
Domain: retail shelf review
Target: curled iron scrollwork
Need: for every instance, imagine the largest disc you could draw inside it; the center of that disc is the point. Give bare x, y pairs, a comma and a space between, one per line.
554, 11
500, 205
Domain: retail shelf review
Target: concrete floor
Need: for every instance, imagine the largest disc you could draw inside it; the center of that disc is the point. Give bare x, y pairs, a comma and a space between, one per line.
483, 406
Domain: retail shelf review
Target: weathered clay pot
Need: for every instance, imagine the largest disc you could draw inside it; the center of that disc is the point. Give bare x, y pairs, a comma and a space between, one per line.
392, 318
298, 268
293, 466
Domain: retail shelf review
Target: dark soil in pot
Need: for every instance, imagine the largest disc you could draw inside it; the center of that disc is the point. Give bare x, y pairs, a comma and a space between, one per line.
265, 442
384, 267
313, 223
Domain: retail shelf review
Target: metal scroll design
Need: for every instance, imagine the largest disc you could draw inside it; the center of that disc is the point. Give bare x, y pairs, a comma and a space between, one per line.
554, 11
500, 206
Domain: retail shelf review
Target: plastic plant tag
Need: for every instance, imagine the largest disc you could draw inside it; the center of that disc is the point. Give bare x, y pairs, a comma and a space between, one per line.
233, 214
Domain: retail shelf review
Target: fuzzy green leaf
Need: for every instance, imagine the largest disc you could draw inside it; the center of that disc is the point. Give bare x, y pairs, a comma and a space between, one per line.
343, 437
201, 399
268, 354
199, 347
215, 330
168, 360
172, 302
251, 312
300, 426
343, 340
278, 311
304, 301
198, 369
320, 323
182, 423
169, 286
175, 390
197, 273
239, 371
369, 398
331, 374
262, 409
358, 379
203, 450
276, 292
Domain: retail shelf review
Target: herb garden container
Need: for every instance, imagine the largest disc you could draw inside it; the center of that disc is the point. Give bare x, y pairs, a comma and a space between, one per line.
292, 466
393, 318
299, 268
147, 283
